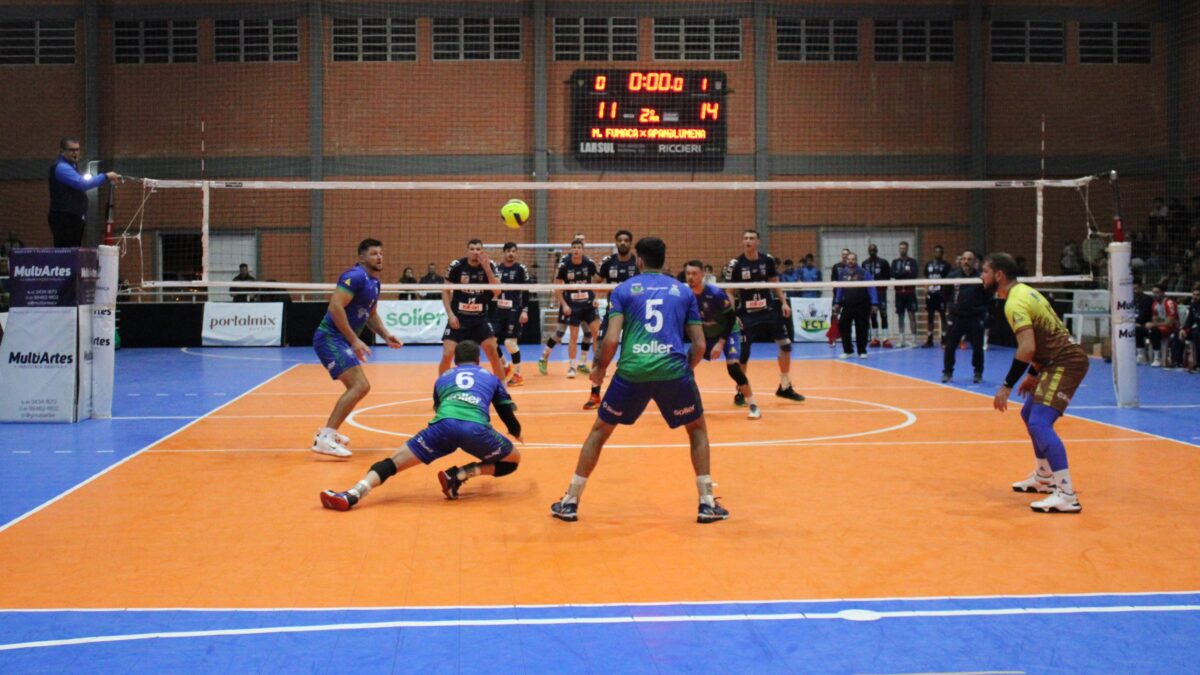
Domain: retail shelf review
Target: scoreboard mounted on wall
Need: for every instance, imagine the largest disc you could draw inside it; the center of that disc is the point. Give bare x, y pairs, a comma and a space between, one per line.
669, 120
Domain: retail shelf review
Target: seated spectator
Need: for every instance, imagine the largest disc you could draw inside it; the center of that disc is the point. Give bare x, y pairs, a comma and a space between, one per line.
1189, 332
408, 277
1164, 321
243, 275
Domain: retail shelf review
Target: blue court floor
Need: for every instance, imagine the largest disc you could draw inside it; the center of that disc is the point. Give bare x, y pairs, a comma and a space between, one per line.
159, 392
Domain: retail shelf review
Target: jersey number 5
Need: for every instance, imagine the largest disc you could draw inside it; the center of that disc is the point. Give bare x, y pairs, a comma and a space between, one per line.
654, 317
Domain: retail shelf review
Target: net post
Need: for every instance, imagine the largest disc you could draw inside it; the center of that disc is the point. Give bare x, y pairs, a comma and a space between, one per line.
1041, 210
205, 194
1122, 324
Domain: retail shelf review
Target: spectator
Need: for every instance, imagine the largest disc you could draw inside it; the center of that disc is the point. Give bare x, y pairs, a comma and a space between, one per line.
968, 314
811, 273
1164, 321
1178, 221
1156, 264
1158, 219
243, 275
432, 277
1189, 331
709, 277
1179, 280
790, 274
68, 195
1022, 266
408, 277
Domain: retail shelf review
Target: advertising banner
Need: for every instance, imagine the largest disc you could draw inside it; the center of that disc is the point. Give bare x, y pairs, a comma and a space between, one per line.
39, 365
413, 321
52, 277
810, 318
104, 331
242, 324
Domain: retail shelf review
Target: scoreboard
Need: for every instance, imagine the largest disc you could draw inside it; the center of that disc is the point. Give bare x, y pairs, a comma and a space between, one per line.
662, 117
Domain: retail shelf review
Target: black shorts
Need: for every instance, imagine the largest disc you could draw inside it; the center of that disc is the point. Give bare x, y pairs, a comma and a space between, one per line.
935, 302
906, 303
471, 328
763, 325
506, 323
580, 314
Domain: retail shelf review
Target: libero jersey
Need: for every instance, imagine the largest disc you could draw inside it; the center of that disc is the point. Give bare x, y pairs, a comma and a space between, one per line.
614, 270
656, 309
365, 289
465, 393
469, 303
1027, 309
716, 312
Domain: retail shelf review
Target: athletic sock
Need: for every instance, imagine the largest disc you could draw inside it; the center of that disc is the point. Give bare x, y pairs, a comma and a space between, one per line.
575, 489
704, 485
750, 400
361, 489
595, 390
1043, 467
1062, 481
326, 432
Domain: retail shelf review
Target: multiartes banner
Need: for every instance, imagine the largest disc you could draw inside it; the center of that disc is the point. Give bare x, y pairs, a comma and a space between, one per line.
52, 277
40, 362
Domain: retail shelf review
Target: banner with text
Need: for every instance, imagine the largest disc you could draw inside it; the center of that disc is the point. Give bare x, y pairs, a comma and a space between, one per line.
38, 365
413, 321
242, 324
52, 277
810, 318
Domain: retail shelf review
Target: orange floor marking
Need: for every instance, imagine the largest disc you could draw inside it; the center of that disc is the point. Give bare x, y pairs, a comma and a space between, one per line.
225, 513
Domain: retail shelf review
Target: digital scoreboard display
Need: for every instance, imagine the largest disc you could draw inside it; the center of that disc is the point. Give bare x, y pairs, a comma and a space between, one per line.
627, 117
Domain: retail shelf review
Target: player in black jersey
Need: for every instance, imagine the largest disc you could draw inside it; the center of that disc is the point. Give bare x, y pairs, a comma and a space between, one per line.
614, 268
510, 311
905, 267
881, 271
935, 301
467, 310
575, 308
762, 312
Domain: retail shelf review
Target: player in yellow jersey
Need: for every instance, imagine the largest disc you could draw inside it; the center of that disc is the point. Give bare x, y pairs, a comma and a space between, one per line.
1056, 369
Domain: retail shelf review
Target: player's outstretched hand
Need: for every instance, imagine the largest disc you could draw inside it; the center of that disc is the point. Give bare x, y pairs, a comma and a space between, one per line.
1027, 386
1001, 401
394, 342
361, 350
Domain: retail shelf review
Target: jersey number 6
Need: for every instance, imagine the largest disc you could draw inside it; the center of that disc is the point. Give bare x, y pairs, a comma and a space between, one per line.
464, 380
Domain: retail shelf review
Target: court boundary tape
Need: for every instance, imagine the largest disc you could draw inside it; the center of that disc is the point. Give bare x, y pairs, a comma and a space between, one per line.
849, 614
1068, 414
4, 527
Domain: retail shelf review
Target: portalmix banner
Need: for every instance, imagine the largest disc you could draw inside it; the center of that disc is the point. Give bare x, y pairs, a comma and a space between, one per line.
242, 324
413, 321
810, 318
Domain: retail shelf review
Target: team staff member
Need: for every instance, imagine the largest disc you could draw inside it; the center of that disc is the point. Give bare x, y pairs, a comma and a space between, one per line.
968, 314
338, 346
467, 310
510, 311
935, 301
881, 271
762, 312
1056, 366
905, 267
614, 269
854, 306
68, 195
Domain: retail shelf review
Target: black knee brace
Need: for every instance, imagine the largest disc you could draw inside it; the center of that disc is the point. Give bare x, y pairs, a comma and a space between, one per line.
785, 347
505, 468
385, 468
735, 371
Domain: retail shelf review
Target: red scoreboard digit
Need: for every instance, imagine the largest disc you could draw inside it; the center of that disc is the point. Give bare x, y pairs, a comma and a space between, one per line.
660, 117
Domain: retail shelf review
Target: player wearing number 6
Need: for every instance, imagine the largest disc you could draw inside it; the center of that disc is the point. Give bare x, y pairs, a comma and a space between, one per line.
650, 315
461, 399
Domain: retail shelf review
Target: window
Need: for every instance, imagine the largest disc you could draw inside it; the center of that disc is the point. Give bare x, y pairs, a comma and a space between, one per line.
929, 41
1114, 42
246, 40
156, 42
37, 42
1028, 42
595, 39
697, 39
816, 40
472, 39
374, 39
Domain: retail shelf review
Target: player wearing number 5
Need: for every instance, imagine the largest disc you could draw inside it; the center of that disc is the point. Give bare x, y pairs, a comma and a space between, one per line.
651, 313
461, 399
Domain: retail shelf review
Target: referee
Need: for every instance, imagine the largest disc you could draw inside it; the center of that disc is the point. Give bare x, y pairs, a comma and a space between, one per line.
968, 313
68, 195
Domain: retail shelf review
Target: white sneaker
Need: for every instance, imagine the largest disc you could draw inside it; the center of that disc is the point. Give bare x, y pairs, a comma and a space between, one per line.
324, 445
342, 439
862, 355
1058, 502
570, 373
844, 355
755, 413
1035, 482
1156, 364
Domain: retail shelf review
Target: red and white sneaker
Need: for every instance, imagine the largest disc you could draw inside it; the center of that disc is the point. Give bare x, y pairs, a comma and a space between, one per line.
516, 380
887, 344
874, 342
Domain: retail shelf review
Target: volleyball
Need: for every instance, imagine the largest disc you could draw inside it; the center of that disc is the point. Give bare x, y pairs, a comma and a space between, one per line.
515, 213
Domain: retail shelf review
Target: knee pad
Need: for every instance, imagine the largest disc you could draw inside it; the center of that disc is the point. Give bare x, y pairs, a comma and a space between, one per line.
735, 371
505, 468
785, 346
385, 468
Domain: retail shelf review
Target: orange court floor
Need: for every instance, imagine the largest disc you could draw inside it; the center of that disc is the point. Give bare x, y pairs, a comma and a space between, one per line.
879, 485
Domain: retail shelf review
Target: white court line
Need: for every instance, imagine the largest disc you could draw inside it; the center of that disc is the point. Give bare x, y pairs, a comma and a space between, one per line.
114, 465
843, 615
206, 355
584, 391
977, 393
156, 417
747, 444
